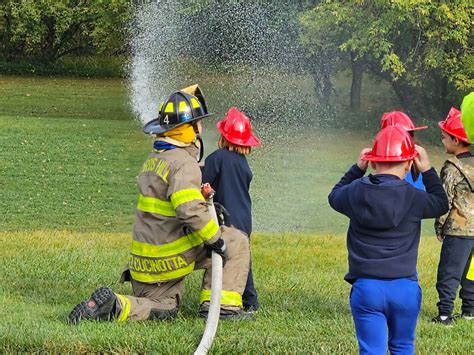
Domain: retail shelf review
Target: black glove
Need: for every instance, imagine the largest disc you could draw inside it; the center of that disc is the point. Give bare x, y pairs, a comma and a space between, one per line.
220, 247
221, 212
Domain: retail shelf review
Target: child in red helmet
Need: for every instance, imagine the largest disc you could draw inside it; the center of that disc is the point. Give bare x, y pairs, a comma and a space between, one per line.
229, 174
456, 228
383, 238
398, 118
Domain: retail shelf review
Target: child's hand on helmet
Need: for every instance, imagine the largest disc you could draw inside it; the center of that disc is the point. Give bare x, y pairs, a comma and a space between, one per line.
421, 161
363, 164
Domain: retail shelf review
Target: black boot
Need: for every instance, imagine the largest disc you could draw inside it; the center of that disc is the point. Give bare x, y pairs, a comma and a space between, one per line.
237, 315
100, 306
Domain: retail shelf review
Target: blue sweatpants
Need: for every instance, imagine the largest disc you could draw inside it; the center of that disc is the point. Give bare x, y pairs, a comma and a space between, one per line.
385, 312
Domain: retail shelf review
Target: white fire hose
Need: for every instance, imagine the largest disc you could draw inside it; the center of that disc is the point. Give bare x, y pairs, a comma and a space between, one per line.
216, 290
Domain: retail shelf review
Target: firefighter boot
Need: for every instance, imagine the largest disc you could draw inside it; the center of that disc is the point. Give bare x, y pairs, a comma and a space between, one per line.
100, 306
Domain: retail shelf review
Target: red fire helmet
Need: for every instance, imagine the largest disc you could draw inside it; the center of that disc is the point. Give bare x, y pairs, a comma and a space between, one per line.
399, 118
392, 144
453, 125
236, 128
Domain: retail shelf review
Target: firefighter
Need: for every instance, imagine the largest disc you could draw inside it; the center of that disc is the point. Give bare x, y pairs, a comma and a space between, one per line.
174, 231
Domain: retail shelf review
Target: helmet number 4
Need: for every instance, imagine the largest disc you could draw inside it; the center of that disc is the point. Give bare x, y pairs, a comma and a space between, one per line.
166, 120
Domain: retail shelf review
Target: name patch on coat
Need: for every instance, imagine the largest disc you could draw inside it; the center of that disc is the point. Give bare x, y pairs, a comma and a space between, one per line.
155, 266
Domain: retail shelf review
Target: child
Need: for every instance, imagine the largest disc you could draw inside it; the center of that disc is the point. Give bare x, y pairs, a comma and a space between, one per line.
383, 237
456, 228
401, 119
229, 174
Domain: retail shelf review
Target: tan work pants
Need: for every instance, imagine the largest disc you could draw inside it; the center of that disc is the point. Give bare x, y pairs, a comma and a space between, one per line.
151, 301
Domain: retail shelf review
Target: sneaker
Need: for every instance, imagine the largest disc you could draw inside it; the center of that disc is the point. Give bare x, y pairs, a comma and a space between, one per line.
467, 316
445, 320
100, 306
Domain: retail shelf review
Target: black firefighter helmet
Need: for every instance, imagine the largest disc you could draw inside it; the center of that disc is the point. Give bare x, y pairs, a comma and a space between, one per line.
180, 108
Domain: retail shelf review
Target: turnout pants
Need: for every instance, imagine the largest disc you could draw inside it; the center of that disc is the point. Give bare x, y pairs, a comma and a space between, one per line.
385, 313
454, 263
162, 300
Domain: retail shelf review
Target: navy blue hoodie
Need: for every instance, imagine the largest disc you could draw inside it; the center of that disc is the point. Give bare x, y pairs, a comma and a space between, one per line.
229, 175
385, 214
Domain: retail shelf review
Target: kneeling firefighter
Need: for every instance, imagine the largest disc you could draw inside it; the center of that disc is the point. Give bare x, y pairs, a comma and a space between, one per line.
174, 232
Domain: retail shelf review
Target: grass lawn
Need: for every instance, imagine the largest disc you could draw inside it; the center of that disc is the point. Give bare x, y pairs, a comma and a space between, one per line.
300, 279
70, 156
71, 152
63, 98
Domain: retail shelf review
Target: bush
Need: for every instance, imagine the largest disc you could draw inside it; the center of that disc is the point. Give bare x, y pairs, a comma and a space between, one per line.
95, 66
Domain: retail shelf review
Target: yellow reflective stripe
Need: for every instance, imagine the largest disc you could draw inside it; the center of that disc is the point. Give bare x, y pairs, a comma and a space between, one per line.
470, 273
228, 298
208, 231
155, 205
183, 107
125, 303
186, 195
160, 251
166, 276
169, 108
195, 103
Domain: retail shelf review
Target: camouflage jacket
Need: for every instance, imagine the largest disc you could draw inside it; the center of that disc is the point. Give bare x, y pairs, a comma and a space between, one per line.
457, 176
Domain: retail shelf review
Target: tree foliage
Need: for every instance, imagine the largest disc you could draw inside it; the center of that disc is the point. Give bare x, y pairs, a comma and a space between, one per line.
422, 47
249, 32
47, 30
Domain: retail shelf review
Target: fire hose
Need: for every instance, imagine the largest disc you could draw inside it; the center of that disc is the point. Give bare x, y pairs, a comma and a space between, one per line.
216, 285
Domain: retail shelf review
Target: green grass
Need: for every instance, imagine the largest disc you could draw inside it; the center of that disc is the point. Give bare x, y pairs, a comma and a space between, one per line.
77, 66
71, 153
63, 98
299, 277
69, 173
80, 174
70, 156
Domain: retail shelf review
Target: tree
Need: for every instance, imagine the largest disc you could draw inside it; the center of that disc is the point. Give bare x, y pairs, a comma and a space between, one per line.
321, 35
47, 30
422, 47
245, 32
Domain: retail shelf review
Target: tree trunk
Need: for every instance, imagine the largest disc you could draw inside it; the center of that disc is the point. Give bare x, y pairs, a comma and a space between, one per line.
424, 101
48, 44
356, 86
411, 99
442, 85
10, 51
321, 74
